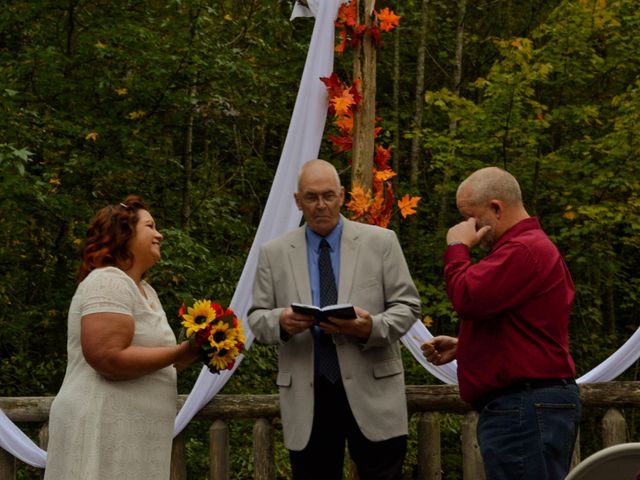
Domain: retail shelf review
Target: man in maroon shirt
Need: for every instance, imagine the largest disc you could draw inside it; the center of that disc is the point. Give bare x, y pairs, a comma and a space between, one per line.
514, 365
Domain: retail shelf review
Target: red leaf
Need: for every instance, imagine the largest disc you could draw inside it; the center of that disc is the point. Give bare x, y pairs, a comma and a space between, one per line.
341, 144
382, 157
334, 85
357, 34
375, 35
355, 91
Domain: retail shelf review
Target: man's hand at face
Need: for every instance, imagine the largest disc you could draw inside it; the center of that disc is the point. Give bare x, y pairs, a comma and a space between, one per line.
465, 232
295, 323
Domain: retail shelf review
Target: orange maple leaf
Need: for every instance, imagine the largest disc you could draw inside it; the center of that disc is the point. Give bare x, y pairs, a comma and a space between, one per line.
342, 104
380, 211
408, 205
360, 202
345, 123
343, 41
383, 175
388, 19
347, 14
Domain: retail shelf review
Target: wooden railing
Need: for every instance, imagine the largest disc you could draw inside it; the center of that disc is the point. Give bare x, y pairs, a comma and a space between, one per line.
426, 401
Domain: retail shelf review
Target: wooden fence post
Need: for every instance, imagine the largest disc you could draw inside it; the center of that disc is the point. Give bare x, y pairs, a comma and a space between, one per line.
7, 465
179, 457
575, 458
43, 441
472, 466
429, 448
263, 450
219, 451
614, 428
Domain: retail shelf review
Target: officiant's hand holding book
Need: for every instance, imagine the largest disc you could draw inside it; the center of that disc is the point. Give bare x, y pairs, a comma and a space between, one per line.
342, 311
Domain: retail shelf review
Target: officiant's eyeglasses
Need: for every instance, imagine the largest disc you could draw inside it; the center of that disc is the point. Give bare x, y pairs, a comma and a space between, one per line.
314, 198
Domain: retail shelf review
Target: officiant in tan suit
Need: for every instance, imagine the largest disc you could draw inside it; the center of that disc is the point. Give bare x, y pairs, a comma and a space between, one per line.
343, 379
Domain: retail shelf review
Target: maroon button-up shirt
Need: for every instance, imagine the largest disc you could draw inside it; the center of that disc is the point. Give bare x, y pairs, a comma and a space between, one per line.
514, 307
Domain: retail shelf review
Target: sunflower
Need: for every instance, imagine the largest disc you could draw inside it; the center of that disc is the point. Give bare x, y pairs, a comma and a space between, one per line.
199, 316
226, 342
222, 336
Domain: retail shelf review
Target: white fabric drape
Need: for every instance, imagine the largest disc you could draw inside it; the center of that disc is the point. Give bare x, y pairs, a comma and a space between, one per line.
302, 143
14, 441
281, 214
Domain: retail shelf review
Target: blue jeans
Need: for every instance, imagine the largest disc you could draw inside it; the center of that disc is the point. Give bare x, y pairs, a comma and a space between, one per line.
530, 434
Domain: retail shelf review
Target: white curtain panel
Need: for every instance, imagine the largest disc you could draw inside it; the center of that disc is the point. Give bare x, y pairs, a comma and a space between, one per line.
306, 130
281, 215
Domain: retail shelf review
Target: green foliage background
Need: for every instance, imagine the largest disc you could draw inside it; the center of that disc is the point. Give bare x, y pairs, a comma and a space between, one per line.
101, 99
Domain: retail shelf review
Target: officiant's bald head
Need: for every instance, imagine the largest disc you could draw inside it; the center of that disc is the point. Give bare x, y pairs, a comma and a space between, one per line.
320, 195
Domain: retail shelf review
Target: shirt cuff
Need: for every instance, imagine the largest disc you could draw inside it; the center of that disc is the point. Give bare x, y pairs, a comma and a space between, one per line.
458, 251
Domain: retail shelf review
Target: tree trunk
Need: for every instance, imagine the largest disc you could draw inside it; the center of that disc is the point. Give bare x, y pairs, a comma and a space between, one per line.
364, 69
419, 98
187, 159
187, 162
453, 124
395, 152
414, 155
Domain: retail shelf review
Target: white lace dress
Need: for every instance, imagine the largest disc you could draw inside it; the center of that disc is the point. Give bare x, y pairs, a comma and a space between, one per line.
115, 430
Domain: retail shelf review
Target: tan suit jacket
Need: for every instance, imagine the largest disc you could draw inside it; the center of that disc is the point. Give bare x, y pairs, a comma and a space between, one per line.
373, 275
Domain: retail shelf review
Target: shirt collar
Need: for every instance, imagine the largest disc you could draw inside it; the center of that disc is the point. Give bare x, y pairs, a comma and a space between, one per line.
313, 239
522, 226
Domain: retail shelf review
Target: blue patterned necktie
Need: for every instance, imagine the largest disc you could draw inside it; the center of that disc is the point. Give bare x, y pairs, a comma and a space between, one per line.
328, 358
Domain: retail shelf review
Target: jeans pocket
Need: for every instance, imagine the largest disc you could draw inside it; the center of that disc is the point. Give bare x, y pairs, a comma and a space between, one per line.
498, 437
558, 424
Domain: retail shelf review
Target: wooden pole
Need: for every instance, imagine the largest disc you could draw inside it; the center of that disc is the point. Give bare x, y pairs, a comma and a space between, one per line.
7, 465
429, 454
179, 457
263, 450
472, 466
364, 69
219, 450
614, 428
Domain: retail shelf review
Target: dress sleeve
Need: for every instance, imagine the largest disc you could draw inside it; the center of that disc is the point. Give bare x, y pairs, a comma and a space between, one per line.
108, 291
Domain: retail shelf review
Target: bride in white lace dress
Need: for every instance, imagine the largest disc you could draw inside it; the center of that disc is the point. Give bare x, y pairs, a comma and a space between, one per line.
113, 416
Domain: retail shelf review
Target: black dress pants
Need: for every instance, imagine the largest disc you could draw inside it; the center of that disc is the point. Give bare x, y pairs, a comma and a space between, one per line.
333, 424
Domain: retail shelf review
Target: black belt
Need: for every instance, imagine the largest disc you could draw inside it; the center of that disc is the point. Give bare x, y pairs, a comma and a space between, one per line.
522, 386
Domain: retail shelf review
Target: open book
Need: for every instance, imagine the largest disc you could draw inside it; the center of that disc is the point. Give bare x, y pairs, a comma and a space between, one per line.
343, 311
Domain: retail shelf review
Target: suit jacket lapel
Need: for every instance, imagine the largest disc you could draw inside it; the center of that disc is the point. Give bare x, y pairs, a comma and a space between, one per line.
349, 250
298, 263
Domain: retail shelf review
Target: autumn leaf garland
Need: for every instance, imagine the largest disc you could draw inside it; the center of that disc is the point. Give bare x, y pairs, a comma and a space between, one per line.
351, 32
370, 206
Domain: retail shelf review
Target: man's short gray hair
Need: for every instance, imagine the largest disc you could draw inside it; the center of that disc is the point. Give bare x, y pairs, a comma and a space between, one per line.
492, 183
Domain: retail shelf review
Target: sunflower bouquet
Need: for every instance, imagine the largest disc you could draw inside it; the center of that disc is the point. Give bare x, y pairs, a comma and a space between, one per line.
216, 331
